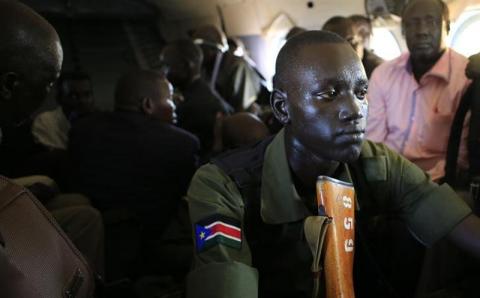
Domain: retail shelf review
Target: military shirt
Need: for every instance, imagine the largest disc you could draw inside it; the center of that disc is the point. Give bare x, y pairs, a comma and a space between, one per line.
429, 210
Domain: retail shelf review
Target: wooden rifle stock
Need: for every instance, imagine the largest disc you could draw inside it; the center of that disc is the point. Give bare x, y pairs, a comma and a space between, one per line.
337, 199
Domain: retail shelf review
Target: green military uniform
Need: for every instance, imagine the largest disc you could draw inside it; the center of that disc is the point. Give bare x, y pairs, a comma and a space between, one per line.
225, 270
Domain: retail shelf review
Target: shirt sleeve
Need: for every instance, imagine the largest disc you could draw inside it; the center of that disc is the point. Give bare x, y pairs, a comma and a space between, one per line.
377, 119
221, 268
430, 210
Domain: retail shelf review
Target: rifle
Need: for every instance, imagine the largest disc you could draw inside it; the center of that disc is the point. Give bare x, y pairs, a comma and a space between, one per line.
336, 199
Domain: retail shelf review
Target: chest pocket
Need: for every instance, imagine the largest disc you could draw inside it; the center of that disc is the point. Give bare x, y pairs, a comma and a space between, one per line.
439, 115
435, 132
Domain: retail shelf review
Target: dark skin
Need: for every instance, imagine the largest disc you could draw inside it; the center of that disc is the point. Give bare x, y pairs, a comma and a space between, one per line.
77, 97
346, 30
425, 32
31, 58
160, 105
242, 129
324, 110
147, 92
322, 105
24, 84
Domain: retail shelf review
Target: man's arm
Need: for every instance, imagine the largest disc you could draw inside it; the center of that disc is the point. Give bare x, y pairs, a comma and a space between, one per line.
222, 262
377, 118
467, 235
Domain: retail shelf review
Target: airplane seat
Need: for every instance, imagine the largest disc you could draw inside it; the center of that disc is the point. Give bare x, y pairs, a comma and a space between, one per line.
470, 102
447, 270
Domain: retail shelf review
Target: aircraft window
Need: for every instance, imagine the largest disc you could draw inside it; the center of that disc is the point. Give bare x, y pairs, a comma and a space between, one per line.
384, 44
464, 37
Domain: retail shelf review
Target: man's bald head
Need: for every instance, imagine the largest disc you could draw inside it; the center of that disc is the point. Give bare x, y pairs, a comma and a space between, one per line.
27, 40
242, 129
30, 60
287, 60
147, 92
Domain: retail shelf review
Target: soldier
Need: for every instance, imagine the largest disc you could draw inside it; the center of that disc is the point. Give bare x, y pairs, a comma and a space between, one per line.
248, 207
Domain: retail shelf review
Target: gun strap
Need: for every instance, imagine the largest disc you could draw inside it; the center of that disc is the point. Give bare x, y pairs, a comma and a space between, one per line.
315, 229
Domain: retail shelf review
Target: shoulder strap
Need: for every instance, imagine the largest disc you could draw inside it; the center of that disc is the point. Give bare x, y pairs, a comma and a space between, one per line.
244, 166
9, 192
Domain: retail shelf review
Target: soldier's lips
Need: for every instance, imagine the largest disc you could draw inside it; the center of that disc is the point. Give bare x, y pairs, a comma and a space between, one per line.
356, 135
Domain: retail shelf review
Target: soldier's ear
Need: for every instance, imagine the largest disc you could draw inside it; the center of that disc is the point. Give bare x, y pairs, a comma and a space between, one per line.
8, 83
278, 101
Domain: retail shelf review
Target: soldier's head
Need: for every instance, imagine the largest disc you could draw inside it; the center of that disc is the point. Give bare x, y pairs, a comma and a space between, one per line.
425, 25
319, 95
147, 92
30, 61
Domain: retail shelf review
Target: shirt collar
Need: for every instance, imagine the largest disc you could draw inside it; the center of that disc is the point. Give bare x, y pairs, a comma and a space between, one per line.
441, 69
280, 201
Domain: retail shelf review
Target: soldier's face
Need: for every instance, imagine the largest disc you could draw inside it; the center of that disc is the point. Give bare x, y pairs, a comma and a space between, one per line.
326, 101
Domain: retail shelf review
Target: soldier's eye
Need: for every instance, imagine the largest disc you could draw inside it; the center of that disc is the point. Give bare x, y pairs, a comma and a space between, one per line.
327, 94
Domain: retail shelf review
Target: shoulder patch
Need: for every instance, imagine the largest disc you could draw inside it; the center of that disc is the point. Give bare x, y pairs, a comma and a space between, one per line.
218, 229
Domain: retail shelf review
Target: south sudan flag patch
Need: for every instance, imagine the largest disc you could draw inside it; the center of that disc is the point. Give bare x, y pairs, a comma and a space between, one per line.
218, 229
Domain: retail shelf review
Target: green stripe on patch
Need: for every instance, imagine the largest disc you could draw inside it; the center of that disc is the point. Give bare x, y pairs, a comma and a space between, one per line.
219, 239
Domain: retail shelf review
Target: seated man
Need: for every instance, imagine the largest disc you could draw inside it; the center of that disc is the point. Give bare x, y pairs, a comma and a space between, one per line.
134, 160
31, 58
356, 30
261, 196
413, 99
362, 26
74, 98
134, 157
202, 104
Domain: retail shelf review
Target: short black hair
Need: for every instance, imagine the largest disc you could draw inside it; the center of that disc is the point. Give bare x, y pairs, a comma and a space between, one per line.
294, 31
332, 23
133, 86
443, 6
292, 47
363, 21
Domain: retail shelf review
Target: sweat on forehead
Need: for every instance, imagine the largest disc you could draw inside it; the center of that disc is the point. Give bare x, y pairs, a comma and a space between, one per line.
286, 59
